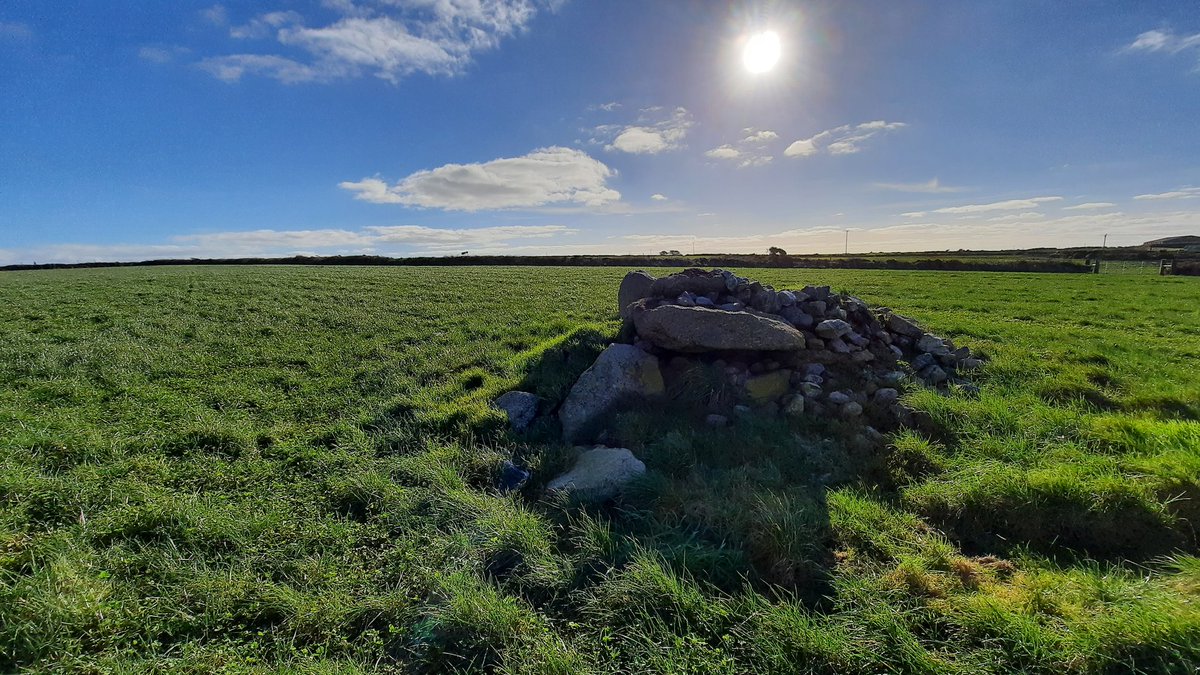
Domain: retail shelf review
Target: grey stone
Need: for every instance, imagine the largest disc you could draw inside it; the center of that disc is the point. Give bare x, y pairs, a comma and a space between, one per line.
620, 372
863, 356
794, 407
598, 474
934, 374
704, 301
699, 282
686, 300
634, 287
699, 329
970, 364
838, 398
520, 406
732, 307
786, 298
816, 307
715, 420
833, 328
817, 292
856, 339
796, 316
837, 346
886, 396
904, 326
931, 343
810, 389
815, 379
896, 351
814, 369
852, 409
921, 362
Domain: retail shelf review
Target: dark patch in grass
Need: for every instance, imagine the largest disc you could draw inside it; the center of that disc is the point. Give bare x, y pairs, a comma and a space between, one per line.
1068, 393
1165, 407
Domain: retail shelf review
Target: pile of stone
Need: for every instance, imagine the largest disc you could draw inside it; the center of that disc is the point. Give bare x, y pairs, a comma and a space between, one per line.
796, 352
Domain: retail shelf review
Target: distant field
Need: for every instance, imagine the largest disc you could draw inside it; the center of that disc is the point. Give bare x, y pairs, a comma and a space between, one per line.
282, 469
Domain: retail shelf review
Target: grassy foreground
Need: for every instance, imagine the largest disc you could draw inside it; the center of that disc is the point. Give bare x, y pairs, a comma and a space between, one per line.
269, 470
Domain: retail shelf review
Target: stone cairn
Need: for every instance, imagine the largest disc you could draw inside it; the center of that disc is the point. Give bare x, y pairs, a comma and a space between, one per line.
806, 352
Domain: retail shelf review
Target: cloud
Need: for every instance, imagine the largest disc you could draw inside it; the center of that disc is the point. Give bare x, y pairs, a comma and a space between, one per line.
544, 176
265, 25
390, 39
1183, 193
758, 136
14, 31
155, 54
1007, 205
750, 151
383, 240
1089, 206
217, 15
232, 68
658, 197
1166, 41
844, 140
606, 107
650, 137
932, 186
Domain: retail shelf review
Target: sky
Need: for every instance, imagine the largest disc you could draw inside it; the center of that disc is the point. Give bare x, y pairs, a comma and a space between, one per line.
135, 129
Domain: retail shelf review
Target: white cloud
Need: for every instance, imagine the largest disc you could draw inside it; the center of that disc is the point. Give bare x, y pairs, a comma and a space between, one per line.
544, 176
750, 151
217, 15
265, 25
1166, 41
1182, 193
1007, 205
1089, 206
232, 68
606, 107
658, 197
390, 39
932, 186
383, 240
914, 214
155, 54
844, 140
649, 136
724, 152
758, 136
1010, 217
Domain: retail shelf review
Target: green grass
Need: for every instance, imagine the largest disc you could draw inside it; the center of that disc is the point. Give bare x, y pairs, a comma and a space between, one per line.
290, 469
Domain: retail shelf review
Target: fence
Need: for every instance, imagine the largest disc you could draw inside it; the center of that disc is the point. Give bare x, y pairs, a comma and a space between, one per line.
1129, 267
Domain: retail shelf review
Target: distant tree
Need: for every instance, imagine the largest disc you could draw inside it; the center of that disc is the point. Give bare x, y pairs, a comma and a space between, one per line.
674, 252
775, 250
664, 253
464, 253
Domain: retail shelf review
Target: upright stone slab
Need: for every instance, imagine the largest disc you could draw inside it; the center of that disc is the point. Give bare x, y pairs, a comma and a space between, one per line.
634, 287
620, 372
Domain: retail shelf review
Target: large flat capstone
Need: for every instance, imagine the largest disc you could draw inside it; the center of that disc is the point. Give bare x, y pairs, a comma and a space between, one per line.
620, 372
701, 329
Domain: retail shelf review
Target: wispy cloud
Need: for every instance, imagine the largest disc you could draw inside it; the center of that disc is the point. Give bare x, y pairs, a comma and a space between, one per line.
390, 39
15, 31
1182, 193
750, 150
653, 133
844, 140
658, 197
1007, 205
159, 54
544, 176
1089, 206
932, 186
384, 240
1166, 41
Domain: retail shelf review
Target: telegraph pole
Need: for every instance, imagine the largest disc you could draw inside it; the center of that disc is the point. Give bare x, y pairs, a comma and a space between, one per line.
847, 242
1105, 242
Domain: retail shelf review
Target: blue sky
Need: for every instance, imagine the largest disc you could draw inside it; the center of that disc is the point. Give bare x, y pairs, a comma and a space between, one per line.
140, 129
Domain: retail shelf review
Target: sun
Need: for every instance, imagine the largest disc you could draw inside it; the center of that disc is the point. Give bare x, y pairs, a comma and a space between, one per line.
761, 52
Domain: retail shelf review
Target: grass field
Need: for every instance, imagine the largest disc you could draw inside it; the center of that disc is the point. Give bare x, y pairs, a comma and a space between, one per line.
290, 469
